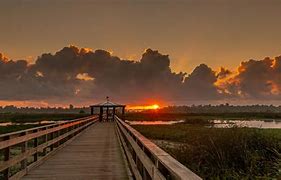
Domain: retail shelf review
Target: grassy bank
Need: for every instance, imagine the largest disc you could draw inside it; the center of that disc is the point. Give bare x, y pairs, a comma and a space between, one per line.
233, 153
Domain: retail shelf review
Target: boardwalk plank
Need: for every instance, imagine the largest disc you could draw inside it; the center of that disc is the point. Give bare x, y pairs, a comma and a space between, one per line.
95, 154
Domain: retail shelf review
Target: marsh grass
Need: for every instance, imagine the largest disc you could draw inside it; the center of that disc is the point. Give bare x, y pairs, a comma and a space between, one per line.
230, 153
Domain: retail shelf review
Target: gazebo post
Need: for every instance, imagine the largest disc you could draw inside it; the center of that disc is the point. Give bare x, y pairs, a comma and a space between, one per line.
101, 112
113, 113
123, 112
107, 113
92, 110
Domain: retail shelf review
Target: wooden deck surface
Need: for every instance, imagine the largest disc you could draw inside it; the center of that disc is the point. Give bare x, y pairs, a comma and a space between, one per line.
95, 154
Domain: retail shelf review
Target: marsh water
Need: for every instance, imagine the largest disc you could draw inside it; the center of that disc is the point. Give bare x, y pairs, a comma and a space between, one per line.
220, 123
154, 122
30, 123
265, 124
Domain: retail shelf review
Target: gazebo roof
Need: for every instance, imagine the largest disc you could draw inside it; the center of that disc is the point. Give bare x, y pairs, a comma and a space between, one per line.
107, 104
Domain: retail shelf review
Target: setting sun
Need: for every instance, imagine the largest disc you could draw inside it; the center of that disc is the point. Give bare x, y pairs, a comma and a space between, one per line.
144, 107
155, 106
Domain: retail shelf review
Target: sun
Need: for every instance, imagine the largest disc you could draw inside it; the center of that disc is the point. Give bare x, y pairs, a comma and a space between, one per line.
155, 106
144, 107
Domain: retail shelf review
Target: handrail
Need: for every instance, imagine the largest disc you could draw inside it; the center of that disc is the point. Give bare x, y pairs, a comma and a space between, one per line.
23, 150
148, 161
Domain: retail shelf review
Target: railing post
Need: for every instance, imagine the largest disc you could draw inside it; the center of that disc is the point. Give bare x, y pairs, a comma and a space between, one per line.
156, 163
68, 130
52, 145
72, 128
58, 134
23, 150
35, 145
6, 158
45, 141
143, 168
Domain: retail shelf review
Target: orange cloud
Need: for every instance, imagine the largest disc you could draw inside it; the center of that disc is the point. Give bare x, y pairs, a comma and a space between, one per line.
84, 76
3, 57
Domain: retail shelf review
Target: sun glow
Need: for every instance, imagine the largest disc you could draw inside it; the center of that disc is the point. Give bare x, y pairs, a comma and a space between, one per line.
147, 107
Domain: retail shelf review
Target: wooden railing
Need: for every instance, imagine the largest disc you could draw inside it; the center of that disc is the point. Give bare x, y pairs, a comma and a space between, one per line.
23, 150
148, 161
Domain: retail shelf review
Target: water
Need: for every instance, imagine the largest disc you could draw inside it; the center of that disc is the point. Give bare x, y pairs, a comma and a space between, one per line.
32, 123
264, 124
154, 122
219, 123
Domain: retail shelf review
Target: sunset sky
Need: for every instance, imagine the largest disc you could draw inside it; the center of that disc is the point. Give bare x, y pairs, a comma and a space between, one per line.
215, 32
218, 33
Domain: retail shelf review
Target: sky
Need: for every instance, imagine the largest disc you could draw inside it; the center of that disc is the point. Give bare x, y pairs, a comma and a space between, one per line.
218, 33
215, 32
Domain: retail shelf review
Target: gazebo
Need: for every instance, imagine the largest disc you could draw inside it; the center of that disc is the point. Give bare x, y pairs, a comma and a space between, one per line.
109, 108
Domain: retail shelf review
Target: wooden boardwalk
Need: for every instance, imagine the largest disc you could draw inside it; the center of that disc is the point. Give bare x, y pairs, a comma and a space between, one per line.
95, 154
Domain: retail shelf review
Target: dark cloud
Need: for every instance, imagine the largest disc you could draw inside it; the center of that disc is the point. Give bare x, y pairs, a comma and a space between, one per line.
258, 79
83, 75
200, 84
11, 73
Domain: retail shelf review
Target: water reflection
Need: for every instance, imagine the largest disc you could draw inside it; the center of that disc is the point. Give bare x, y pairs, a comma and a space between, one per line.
219, 123
154, 122
30, 123
264, 124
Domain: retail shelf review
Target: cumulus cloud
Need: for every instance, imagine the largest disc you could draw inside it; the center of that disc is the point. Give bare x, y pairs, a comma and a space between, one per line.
257, 79
82, 75
200, 84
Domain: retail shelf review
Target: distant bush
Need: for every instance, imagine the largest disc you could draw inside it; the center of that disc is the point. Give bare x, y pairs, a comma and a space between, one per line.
81, 112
